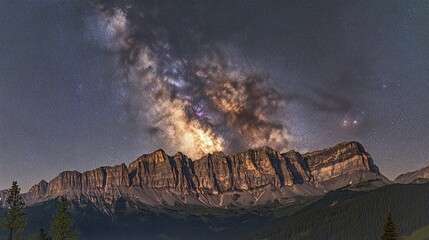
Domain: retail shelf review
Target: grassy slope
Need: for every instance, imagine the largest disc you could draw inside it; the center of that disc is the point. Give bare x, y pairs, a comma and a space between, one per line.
420, 234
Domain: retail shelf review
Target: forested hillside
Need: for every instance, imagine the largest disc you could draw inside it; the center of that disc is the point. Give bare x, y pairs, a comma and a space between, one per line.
341, 214
360, 217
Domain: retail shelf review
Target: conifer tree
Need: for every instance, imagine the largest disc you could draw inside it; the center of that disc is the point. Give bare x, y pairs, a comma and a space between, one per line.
61, 226
389, 229
14, 218
40, 235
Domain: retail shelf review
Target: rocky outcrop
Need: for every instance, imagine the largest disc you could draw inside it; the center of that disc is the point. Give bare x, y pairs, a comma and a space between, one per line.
418, 176
3, 196
255, 176
36, 191
298, 167
244, 171
344, 158
158, 170
65, 181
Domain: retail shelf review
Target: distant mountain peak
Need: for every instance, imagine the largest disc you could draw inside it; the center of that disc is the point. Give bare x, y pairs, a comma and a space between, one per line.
418, 176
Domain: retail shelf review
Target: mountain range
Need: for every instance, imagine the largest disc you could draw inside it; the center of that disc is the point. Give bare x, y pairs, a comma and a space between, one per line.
254, 177
258, 191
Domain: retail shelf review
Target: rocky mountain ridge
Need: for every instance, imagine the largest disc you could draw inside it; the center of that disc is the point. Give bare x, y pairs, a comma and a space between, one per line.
256, 176
418, 176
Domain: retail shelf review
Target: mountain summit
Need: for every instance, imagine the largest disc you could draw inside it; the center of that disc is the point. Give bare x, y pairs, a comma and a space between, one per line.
418, 176
256, 176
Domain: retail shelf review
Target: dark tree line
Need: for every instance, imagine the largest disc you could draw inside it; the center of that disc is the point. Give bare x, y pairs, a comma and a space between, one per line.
14, 220
365, 211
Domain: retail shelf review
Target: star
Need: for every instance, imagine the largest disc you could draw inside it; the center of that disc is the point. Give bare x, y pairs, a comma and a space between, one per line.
347, 122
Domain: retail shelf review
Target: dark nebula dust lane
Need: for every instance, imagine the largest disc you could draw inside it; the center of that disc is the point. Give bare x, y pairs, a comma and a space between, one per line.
186, 92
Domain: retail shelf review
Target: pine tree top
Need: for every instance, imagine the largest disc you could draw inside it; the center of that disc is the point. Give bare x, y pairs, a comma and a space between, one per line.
389, 228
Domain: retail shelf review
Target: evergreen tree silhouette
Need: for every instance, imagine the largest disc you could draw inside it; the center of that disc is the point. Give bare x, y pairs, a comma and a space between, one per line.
14, 218
389, 229
61, 226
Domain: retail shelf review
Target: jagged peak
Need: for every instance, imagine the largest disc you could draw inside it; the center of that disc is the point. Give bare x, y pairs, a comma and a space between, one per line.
264, 148
267, 150
413, 175
217, 153
210, 155
42, 182
291, 152
159, 151
180, 155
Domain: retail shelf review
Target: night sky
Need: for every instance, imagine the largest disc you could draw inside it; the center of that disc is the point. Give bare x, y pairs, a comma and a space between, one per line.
89, 84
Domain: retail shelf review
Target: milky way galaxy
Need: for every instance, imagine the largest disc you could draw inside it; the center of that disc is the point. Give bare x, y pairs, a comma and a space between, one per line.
194, 101
85, 84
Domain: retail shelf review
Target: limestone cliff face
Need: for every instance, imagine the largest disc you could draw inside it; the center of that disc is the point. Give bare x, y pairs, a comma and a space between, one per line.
213, 173
158, 179
158, 170
341, 159
248, 170
65, 181
298, 167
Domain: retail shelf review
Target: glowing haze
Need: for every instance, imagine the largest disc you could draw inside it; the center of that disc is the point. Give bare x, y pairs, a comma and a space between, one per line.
193, 101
